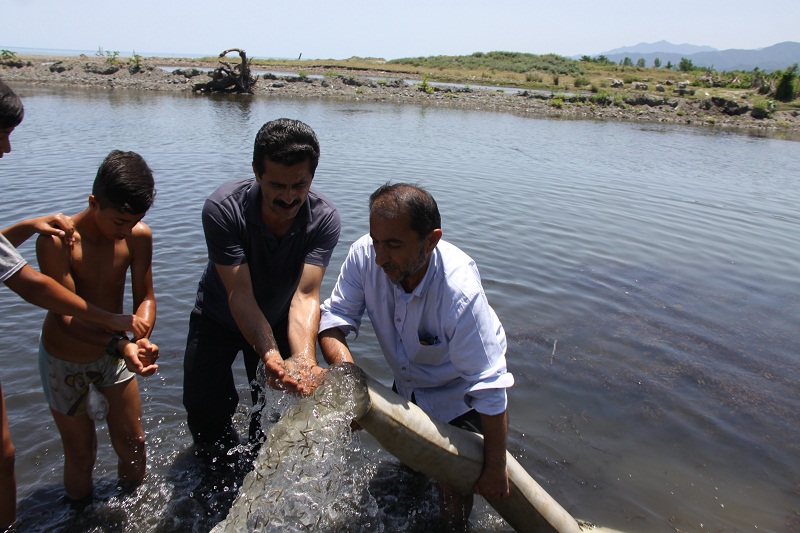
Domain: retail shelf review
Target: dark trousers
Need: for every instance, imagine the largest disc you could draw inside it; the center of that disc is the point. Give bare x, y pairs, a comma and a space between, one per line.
209, 390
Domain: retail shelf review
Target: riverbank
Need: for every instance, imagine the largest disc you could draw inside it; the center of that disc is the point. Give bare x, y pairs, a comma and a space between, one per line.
728, 112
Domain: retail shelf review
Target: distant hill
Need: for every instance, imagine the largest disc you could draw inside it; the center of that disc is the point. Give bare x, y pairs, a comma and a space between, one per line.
775, 57
660, 47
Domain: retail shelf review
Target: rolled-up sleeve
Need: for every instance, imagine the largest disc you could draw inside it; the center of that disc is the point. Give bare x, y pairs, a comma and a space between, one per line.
10, 260
480, 344
346, 305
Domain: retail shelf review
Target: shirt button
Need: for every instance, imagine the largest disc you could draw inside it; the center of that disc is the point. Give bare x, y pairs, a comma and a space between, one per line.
397, 320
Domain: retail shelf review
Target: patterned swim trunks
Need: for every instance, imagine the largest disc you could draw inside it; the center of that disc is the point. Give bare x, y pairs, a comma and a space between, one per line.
66, 384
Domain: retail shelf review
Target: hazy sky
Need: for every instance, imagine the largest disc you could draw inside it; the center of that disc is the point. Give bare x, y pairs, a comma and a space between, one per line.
343, 28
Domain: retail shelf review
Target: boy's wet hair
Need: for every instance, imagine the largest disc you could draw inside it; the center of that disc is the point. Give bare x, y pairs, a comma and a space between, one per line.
394, 200
285, 141
124, 182
11, 109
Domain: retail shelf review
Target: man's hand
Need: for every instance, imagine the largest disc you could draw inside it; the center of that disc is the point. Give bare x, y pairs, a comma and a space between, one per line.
308, 375
277, 377
58, 224
140, 356
493, 484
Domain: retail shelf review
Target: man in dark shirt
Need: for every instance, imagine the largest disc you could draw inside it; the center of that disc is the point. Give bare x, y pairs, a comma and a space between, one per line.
269, 240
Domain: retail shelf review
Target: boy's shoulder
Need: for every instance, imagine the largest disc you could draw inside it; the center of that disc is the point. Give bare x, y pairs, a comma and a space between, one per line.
142, 230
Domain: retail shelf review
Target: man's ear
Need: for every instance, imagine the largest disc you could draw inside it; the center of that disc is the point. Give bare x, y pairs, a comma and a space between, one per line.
258, 178
432, 240
93, 203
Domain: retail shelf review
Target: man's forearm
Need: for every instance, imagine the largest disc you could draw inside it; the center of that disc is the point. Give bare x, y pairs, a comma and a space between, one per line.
334, 347
495, 435
303, 327
253, 326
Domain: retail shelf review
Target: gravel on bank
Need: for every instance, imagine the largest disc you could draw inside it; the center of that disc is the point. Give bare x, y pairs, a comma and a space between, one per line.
161, 74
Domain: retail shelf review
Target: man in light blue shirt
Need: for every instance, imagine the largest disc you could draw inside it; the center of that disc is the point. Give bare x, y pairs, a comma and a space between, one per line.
443, 341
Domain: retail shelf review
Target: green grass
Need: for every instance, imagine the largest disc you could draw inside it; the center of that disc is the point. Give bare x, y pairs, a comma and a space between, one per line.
530, 71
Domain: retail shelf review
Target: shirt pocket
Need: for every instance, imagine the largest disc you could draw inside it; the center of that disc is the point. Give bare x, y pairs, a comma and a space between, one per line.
431, 354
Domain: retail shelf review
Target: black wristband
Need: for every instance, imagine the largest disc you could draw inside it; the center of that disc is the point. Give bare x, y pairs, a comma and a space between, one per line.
111, 347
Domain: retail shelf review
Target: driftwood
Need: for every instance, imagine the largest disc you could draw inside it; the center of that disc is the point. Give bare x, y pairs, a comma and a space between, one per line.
227, 78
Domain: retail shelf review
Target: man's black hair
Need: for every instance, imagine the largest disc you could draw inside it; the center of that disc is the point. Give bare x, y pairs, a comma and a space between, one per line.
287, 142
393, 200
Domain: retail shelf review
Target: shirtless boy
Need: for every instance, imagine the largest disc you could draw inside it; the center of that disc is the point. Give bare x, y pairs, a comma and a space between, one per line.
40, 290
110, 238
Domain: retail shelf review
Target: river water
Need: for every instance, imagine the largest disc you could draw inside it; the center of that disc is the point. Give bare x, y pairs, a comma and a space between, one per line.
646, 275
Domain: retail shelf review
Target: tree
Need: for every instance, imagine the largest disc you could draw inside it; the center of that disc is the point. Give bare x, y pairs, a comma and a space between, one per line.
627, 62
685, 65
669, 65
640, 63
657, 63
785, 91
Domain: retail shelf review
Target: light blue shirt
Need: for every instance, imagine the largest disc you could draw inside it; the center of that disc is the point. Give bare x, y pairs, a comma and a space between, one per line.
443, 341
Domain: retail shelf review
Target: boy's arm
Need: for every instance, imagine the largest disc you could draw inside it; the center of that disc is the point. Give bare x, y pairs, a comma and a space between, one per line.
142, 359
59, 225
144, 298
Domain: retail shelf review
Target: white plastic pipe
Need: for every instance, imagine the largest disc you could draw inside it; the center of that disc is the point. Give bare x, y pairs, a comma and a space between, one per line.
453, 456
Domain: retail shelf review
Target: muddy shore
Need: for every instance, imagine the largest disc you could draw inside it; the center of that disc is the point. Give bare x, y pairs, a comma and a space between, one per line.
162, 74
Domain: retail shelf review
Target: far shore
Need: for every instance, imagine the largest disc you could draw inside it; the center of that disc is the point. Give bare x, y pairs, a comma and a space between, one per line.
177, 74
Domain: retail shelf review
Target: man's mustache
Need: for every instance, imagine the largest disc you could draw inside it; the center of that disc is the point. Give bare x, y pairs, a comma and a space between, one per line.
283, 204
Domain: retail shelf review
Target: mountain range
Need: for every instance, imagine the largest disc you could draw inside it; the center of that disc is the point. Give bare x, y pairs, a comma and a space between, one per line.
776, 57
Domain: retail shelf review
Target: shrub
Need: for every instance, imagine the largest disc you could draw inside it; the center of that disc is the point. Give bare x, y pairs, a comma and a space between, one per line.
601, 98
582, 81
763, 109
785, 91
534, 77
135, 63
557, 102
425, 86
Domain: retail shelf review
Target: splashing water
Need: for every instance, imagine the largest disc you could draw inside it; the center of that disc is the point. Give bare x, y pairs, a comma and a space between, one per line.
303, 478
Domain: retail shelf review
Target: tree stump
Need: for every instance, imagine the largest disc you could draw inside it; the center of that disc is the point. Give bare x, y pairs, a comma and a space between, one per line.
227, 78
